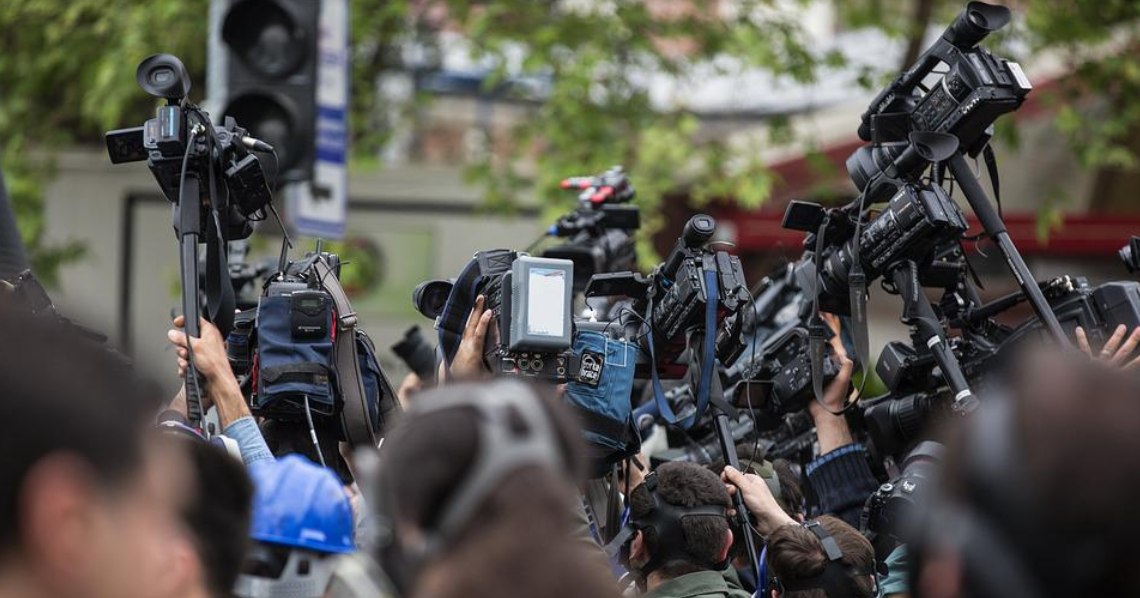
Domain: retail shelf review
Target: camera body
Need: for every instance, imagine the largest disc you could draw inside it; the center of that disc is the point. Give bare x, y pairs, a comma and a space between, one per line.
889, 512
917, 220
779, 380
531, 331
182, 143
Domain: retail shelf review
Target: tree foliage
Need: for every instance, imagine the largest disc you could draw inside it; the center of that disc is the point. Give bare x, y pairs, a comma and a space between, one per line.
67, 74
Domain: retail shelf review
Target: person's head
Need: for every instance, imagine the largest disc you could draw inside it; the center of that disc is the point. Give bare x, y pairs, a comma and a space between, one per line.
476, 486
85, 503
215, 517
824, 558
301, 519
688, 533
1038, 492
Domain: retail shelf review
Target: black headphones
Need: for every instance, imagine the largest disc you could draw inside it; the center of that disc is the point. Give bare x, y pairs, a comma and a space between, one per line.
666, 520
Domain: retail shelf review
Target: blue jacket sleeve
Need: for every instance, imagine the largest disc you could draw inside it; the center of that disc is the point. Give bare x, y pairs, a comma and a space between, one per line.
249, 439
842, 481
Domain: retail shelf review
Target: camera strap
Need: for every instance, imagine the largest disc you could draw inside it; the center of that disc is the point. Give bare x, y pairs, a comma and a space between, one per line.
708, 359
220, 300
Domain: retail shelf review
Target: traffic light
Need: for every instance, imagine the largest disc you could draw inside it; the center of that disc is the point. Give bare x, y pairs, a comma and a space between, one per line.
270, 49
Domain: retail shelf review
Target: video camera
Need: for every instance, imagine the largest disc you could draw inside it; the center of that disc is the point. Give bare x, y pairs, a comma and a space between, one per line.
976, 89
181, 144
599, 230
532, 329
696, 290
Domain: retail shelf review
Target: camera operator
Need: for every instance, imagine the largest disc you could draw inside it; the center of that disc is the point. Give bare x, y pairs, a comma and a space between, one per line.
476, 492
840, 475
689, 563
1038, 495
87, 497
821, 557
220, 389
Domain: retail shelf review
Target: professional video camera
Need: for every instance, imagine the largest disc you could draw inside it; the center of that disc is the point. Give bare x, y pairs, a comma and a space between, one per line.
975, 90
217, 187
532, 330
189, 155
696, 295
599, 230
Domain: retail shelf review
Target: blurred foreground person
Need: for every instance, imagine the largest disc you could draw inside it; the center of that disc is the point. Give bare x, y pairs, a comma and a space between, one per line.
87, 502
477, 498
215, 512
1039, 495
302, 520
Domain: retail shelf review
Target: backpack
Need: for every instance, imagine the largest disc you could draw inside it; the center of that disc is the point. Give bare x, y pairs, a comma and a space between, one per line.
330, 372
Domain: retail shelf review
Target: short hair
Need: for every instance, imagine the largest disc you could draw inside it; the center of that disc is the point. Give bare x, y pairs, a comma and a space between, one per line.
219, 516
795, 552
63, 393
685, 484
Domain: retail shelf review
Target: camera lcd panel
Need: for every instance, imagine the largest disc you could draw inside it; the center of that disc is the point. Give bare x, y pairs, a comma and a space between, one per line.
544, 314
541, 292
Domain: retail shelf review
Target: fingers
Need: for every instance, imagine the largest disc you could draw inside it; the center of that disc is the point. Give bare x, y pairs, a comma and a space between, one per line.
1126, 349
475, 316
177, 337
1131, 365
481, 326
836, 339
180, 321
1113, 341
1083, 341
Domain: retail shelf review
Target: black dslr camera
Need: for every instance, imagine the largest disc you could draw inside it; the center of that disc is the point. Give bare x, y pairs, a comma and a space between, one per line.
779, 381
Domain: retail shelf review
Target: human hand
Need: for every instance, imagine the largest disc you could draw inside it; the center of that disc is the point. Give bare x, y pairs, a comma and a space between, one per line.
211, 361
836, 394
757, 498
468, 361
209, 350
1114, 353
410, 386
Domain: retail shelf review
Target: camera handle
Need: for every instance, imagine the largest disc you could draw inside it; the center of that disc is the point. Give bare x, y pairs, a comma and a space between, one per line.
720, 412
995, 230
189, 214
918, 312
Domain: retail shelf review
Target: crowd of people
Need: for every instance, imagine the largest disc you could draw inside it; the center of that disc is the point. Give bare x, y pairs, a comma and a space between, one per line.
479, 490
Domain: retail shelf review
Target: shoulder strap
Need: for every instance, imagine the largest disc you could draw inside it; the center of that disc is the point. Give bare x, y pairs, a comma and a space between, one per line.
357, 424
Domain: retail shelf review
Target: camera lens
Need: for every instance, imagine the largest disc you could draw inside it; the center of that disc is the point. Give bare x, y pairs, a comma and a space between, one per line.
430, 296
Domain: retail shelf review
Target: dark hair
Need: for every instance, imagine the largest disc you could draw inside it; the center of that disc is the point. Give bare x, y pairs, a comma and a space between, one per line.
62, 393
794, 552
520, 542
686, 484
219, 515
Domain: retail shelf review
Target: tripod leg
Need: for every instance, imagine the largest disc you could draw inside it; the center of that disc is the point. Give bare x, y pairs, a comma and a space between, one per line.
996, 230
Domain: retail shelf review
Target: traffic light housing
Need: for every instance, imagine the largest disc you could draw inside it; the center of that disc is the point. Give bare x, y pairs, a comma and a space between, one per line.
271, 58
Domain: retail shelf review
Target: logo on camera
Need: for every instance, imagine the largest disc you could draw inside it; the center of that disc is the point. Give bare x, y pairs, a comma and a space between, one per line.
590, 368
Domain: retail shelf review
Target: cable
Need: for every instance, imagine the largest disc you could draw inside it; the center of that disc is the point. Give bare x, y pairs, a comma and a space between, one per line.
313, 432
